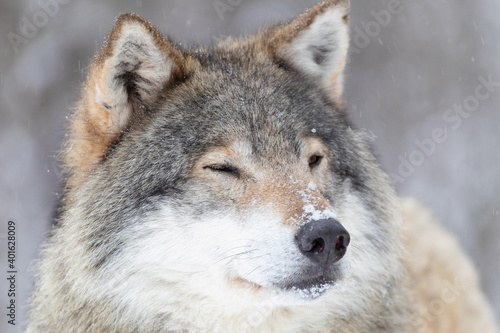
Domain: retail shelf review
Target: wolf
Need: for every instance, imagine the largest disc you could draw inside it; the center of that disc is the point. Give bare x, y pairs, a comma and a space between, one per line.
224, 189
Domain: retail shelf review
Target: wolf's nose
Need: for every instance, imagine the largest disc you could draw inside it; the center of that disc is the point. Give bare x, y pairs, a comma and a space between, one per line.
323, 241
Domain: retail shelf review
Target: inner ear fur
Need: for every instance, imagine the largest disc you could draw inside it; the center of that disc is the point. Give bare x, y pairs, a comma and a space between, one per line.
134, 67
316, 44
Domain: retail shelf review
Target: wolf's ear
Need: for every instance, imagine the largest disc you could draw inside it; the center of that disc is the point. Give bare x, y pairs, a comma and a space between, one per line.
316, 44
132, 69
128, 76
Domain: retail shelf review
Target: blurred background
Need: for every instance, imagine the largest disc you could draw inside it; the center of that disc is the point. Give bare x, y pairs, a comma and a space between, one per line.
414, 71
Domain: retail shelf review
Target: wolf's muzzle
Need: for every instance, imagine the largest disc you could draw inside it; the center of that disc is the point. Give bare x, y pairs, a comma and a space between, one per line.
323, 241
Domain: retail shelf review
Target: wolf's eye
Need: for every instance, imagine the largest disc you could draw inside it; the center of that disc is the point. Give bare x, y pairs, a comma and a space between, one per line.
314, 160
224, 168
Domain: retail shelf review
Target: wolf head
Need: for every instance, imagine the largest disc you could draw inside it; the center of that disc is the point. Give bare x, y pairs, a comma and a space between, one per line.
224, 188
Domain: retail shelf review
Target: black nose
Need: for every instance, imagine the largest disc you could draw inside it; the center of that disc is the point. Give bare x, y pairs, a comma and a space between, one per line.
324, 241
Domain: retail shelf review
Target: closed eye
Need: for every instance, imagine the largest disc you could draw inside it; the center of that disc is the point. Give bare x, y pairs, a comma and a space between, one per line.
224, 168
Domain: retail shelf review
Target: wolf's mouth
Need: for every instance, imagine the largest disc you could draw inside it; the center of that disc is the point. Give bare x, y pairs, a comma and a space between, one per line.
240, 282
306, 289
310, 289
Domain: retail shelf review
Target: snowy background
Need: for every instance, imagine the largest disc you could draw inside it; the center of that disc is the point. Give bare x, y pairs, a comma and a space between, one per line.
405, 72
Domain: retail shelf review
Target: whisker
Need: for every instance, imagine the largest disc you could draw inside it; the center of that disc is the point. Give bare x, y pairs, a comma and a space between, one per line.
257, 257
232, 256
234, 248
253, 270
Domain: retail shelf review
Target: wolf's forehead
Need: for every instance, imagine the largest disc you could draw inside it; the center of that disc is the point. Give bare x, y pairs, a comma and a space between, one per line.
242, 148
278, 155
272, 149
249, 149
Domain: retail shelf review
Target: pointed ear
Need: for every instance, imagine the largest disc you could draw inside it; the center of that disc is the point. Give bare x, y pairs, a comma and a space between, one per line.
134, 66
316, 44
127, 78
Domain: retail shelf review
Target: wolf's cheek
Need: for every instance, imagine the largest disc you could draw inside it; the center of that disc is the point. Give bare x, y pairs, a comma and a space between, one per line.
370, 252
222, 250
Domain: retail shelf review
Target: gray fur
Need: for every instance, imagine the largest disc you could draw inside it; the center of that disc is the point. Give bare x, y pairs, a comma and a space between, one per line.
233, 94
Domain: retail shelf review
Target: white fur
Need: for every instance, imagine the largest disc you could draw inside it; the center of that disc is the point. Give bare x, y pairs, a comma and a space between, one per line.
156, 272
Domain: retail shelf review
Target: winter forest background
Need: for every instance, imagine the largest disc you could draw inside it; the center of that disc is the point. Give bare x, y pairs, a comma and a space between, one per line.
410, 70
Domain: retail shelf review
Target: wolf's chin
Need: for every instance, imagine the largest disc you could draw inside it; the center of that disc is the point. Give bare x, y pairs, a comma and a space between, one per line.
312, 292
